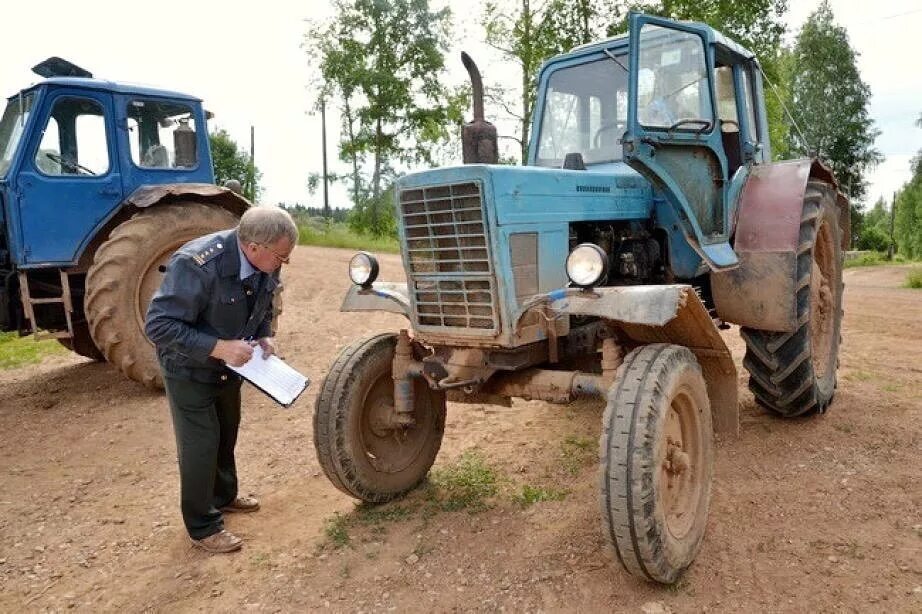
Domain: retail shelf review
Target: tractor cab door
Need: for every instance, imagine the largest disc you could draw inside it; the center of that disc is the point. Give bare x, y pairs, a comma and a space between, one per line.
70, 180
673, 135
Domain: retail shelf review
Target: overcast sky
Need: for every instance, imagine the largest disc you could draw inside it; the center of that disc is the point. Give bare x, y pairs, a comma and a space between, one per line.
246, 61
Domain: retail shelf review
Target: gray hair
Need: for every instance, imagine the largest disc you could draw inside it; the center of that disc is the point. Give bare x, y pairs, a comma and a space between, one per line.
266, 225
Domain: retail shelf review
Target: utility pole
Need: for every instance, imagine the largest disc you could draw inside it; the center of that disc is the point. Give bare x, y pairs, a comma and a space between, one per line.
892, 216
323, 138
251, 170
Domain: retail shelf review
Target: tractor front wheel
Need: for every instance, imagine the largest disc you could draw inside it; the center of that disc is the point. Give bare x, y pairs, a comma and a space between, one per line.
127, 271
656, 453
362, 449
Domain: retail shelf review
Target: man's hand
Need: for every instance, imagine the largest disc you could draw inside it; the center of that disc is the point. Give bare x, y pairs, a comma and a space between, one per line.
268, 346
232, 351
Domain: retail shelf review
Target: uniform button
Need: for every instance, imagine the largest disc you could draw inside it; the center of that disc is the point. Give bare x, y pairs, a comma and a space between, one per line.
233, 299
223, 378
249, 292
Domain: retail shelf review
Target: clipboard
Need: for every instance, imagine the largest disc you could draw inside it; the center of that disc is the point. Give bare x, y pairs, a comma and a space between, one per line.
274, 377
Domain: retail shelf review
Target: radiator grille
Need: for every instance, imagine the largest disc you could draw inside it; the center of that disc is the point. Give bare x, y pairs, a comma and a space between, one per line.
448, 257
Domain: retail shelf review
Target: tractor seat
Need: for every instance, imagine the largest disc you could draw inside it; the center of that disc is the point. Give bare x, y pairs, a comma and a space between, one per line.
157, 156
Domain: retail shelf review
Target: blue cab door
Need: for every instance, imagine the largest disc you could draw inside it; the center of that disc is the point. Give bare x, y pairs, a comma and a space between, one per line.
70, 178
673, 136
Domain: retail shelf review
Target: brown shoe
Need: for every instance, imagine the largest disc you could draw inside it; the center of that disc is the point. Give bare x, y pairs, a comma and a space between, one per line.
222, 541
242, 505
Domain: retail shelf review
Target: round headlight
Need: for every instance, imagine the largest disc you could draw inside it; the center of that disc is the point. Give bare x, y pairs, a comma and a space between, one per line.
587, 265
363, 269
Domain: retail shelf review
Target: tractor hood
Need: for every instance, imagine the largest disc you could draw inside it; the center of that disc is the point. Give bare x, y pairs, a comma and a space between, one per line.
538, 195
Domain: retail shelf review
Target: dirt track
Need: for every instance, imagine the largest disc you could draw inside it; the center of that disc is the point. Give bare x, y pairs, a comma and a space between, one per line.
807, 515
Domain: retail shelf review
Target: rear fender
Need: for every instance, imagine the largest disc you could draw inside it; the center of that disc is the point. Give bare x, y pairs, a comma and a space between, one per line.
667, 314
761, 292
382, 296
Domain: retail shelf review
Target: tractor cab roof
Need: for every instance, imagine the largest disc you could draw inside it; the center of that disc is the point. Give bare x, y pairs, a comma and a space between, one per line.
102, 85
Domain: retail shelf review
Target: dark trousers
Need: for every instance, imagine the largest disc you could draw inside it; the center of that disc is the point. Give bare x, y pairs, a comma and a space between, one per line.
205, 419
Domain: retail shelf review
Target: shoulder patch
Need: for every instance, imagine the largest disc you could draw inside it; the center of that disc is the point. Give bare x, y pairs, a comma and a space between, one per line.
210, 251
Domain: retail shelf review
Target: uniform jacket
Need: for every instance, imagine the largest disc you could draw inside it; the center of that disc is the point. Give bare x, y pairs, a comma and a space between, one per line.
202, 299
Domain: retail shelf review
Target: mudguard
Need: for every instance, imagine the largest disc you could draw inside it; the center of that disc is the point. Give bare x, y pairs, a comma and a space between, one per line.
666, 314
382, 296
761, 292
148, 195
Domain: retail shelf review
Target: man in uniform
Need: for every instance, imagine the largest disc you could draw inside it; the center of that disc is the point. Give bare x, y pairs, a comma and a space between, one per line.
213, 307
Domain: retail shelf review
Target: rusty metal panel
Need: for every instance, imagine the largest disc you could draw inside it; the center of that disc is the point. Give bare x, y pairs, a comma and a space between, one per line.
382, 296
760, 293
148, 195
770, 206
523, 252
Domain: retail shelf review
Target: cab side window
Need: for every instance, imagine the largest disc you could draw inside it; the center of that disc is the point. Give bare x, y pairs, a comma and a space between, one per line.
74, 139
161, 134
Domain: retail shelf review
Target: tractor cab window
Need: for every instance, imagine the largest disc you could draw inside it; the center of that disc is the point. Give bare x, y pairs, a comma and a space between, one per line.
749, 101
12, 125
74, 139
585, 111
729, 118
162, 134
672, 81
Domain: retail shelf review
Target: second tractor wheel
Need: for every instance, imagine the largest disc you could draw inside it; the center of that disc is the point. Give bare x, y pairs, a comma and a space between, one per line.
362, 449
794, 373
656, 462
126, 273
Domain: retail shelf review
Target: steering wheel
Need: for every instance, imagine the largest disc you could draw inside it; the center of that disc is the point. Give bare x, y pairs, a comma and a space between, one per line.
705, 124
606, 127
78, 168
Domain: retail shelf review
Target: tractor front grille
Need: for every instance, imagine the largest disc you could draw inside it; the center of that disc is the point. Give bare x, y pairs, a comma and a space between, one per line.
448, 258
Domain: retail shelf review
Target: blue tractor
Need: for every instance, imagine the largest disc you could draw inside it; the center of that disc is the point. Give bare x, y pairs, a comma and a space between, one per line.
649, 216
100, 182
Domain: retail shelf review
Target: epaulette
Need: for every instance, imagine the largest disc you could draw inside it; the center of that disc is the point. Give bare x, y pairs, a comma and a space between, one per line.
210, 252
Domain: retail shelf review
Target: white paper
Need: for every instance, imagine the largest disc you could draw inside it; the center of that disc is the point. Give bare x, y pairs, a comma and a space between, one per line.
273, 376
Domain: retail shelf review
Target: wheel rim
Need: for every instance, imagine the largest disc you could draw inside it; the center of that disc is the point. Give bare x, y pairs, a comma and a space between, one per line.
681, 465
151, 278
387, 447
822, 301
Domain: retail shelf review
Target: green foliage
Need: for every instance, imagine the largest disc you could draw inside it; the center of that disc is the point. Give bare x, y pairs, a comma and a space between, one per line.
232, 162
874, 228
908, 214
318, 231
466, 484
866, 259
530, 495
16, 351
336, 529
830, 103
914, 278
576, 453
382, 63
374, 216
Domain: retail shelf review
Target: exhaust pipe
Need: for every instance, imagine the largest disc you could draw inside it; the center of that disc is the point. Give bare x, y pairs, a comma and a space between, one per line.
478, 137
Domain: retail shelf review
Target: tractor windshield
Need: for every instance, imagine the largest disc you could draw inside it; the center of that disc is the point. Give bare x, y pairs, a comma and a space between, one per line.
585, 111
11, 128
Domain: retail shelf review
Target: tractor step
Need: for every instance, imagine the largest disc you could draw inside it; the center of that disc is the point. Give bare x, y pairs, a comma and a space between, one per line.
28, 302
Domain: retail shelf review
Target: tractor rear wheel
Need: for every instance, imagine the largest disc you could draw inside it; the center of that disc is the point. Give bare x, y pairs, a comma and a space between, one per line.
127, 271
656, 453
794, 373
361, 449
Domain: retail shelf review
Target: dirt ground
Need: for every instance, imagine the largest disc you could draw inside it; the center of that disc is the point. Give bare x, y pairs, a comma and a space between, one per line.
819, 514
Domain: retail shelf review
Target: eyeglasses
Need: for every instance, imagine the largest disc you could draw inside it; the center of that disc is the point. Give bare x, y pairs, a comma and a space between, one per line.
281, 258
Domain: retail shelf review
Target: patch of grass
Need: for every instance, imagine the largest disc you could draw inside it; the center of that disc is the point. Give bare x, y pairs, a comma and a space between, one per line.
576, 453
535, 494
914, 278
466, 484
337, 530
859, 376
866, 259
16, 351
367, 513
340, 235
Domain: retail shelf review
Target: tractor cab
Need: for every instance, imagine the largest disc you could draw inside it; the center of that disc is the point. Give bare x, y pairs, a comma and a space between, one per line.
677, 102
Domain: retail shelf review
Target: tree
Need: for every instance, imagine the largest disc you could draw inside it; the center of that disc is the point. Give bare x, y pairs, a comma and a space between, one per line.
908, 214
231, 162
831, 102
382, 63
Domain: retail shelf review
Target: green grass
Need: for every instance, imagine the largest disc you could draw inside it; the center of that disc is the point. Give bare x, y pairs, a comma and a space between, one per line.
337, 530
530, 495
867, 259
16, 351
467, 484
340, 235
576, 453
914, 278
